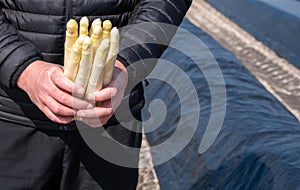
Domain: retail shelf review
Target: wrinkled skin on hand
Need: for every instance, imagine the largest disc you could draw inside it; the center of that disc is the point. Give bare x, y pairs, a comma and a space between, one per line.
51, 91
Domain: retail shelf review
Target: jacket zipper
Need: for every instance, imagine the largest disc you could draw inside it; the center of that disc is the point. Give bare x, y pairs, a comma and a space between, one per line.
68, 10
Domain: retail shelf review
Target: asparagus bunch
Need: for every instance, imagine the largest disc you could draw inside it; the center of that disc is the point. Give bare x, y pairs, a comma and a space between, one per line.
90, 57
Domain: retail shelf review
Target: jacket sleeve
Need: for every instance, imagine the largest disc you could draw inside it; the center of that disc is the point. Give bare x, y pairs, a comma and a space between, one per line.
148, 34
15, 53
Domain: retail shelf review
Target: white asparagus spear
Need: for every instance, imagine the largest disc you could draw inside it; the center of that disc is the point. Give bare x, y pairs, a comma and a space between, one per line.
112, 56
84, 25
96, 78
96, 37
85, 66
70, 70
96, 22
71, 36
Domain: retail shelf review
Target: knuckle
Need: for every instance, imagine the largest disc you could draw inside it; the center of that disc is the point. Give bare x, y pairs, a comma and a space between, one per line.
63, 98
109, 111
56, 79
48, 72
65, 121
44, 87
40, 97
52, 118
104, 120
56, 110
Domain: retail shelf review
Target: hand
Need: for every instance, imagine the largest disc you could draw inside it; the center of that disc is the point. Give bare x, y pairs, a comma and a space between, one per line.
106, 100
51, 91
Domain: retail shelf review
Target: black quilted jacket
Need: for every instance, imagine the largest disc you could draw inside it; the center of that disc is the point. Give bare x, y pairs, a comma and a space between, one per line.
35, 30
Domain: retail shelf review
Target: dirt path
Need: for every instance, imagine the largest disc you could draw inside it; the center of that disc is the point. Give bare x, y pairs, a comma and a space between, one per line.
278, 76
148, 179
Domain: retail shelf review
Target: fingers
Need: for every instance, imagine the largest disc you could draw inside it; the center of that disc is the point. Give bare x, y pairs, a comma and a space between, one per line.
65, 84
102, 95
95, 117
94, 122
57, 108
70, 101
56, 118
63, 91
97, 112
62, 82
101, 113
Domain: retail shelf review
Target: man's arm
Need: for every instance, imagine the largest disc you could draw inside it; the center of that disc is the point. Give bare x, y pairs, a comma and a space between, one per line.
16, 53
21, 66
143, 27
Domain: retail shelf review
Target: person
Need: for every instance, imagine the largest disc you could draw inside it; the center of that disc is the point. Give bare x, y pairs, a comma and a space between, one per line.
41, 147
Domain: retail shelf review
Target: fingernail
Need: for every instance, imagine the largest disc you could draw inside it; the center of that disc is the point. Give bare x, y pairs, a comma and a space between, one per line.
90, 106
91, 97
80, 114
109, 110
80, 91
114, 92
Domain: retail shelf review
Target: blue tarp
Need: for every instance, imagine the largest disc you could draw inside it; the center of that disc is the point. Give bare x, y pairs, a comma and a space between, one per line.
257, 143
276, 23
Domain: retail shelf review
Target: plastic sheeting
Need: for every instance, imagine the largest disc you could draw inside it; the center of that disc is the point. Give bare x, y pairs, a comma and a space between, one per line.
276, 23
255, 139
